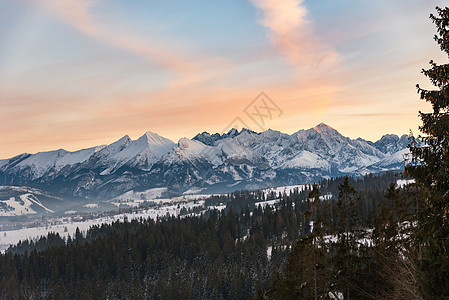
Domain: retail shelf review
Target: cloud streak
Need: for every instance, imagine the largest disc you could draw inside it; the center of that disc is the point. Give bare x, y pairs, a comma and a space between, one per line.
292, 33
102, 75
78, 14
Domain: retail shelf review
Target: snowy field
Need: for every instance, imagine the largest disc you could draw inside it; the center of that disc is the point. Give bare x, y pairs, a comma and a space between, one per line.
136, 199
285, 189
164, 207
403, 182
21, 205
69, 227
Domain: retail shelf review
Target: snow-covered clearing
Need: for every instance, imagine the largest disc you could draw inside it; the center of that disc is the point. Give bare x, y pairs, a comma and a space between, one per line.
403, 182
21, 206
68, 226
285, 189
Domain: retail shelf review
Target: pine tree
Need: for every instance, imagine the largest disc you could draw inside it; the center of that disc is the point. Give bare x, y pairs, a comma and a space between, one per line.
318, 220
391, 260
430, 169
347, 237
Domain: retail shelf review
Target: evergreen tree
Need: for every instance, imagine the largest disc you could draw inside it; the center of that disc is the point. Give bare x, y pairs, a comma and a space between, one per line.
430, 169
317, 234
347, 238
391, 257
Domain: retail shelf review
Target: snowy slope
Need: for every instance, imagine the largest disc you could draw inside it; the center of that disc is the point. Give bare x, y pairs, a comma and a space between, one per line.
19, 201
143, 152
21, 206
44, 162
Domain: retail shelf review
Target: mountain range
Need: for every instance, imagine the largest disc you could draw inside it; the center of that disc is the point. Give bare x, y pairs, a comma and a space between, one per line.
208, 162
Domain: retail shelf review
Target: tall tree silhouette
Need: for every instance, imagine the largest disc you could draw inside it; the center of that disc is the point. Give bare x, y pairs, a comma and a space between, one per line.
430, 169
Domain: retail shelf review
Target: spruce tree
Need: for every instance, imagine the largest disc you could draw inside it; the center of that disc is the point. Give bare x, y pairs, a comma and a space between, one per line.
430, 169
346, 237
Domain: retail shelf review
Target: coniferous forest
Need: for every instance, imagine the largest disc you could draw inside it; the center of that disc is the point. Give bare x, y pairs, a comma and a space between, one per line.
355, 238
243, 252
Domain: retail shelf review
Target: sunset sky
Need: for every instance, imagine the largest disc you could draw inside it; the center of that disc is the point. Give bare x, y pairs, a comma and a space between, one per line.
80, 73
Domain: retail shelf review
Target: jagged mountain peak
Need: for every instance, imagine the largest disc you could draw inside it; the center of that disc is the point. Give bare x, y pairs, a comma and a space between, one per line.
123, 141
232, 132
324, 128
141, 153
151, 145
115, 147
268, 157
185, 143
151, 138
390, 143
322, 125
248, 130
194, 152
211, 139
207, 138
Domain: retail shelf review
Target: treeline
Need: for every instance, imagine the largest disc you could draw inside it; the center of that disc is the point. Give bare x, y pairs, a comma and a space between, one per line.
236, 254
188, 258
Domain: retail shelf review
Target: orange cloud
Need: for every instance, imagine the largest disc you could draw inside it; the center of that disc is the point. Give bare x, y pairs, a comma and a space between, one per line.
292, 34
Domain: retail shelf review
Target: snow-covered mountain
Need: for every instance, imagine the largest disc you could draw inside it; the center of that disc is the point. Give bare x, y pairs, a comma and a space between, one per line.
213, 162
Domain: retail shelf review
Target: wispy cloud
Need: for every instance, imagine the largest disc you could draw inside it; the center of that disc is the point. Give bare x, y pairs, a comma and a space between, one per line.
292, 33
79, 14
59, 88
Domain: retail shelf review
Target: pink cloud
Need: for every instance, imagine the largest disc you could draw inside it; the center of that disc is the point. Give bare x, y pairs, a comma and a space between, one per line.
292, 33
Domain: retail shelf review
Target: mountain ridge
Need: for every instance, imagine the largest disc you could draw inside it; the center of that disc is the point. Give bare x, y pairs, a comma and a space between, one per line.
237, 159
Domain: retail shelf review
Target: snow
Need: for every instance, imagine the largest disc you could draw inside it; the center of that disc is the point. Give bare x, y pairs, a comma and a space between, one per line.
361, 241
21, 204
403, 182
3, 162
14, 236
115, 147
16, 207
149, 194
321, 128
144, 151
231, 170
284, 189
191, 150
167, 206
26, 189
397, 157
136, 199
150, 146
193, 190
269, 252
72, 158
234, 184
90, 205
328, 196
129, 203
42, 162
264, 204
348, 169
321, 148
306, 159
217, 207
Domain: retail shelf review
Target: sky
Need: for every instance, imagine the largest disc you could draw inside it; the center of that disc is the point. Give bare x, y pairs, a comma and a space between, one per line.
80, 73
